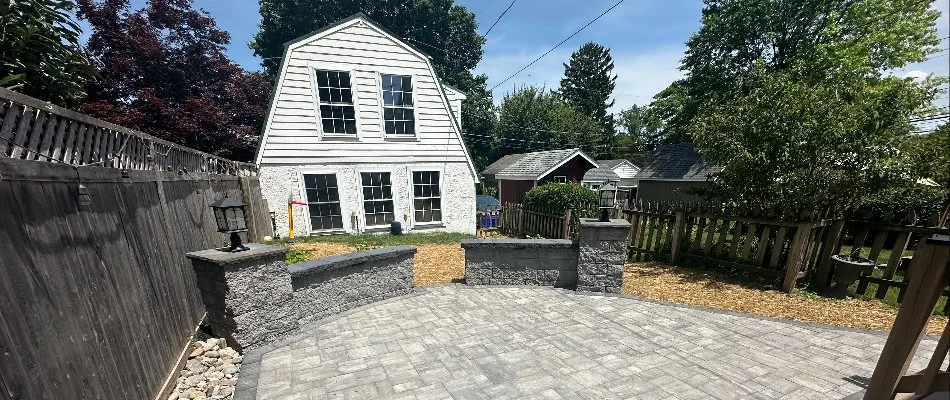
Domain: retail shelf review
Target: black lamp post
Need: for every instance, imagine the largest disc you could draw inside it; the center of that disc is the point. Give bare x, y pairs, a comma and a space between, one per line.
608, 196
229, 214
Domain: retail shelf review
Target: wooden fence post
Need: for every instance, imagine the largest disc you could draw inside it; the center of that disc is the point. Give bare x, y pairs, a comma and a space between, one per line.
566, 234
796, 254
677, 236
823, 272
932, 263
520, 221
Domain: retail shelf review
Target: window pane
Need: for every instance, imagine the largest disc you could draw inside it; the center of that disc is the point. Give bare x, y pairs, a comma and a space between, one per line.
407, 84
338, 126
328, 126
365, 177
345, 81
324, 94
322, 78
390, 127
407, 98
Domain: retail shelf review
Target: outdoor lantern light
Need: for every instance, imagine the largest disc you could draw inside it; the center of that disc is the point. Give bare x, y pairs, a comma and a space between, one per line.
608, 195
229, 213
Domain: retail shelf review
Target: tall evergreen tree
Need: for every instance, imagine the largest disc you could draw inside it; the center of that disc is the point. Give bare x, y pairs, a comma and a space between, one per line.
587, 86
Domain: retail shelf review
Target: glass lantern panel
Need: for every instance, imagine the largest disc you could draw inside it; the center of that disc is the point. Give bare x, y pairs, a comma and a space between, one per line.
220, 219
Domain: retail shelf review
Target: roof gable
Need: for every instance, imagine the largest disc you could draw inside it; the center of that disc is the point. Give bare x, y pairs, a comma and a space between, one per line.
601, 174
540, 163
679, 162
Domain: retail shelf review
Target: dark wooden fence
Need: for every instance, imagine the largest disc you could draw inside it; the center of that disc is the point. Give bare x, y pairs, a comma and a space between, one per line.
770, 243
97, 300
517, 220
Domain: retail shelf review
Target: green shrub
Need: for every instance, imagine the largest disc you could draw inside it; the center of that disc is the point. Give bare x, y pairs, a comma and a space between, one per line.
924, 200
557, 197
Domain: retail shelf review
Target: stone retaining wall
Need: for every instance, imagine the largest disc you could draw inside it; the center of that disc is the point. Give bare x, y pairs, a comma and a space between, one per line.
335, 284
253, 296
547, 262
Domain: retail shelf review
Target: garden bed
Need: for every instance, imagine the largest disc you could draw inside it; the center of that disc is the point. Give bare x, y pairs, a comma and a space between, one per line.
711, 289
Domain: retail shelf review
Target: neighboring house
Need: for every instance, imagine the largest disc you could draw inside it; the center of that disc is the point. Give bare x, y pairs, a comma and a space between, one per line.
621, 173
361, 131
516, 174
671, 172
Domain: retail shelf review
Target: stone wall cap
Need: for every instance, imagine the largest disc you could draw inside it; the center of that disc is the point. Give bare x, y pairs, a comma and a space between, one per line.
518, 243
222, 257
613, 223
349, 259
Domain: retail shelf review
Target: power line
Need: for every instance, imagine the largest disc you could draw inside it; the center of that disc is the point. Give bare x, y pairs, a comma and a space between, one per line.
499, 18
558, 45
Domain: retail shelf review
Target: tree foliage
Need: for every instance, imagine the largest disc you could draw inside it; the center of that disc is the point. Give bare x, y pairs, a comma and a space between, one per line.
535, 119
639, 133
794, 99
813, 38
40, 53
929, 155
808, 143
587, 86
557, 197
162, 70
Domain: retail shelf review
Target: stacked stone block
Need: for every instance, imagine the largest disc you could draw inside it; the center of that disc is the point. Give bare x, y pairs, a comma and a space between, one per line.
331, 285
544, 262
603, 252
246, 294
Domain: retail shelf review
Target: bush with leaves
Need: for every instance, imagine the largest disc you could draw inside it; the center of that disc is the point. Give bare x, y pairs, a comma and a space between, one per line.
40, 53
557, 197
925, 201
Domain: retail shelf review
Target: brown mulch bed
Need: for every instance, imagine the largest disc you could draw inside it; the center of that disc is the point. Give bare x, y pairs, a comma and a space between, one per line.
710, 289
435, 263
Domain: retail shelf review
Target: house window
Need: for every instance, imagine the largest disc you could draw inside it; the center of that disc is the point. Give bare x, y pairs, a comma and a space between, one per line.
595, 186
377, 198
426, 196
398, 115
323, 199
337, 114
560, 179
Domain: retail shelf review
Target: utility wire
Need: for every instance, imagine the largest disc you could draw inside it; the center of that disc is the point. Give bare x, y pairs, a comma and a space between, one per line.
558, 45
499, 18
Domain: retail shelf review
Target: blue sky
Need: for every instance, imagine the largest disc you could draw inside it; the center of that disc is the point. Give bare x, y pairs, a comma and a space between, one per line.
646, 38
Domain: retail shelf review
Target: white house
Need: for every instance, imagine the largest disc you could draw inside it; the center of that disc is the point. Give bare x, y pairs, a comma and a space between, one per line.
361, 132
621, 173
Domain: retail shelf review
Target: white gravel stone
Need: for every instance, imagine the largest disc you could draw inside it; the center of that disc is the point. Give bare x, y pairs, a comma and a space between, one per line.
210, 372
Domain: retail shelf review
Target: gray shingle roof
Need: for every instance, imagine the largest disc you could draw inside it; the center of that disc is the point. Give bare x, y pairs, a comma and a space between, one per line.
501, 164
535, 164
677, 162
609, 163
601, 174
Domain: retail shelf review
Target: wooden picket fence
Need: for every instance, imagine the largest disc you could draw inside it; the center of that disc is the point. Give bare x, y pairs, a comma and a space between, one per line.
517, 220
31, 129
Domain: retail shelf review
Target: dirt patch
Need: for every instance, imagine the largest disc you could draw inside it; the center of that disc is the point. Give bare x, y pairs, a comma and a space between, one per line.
709, 289
320, 250
435, 263
439, 263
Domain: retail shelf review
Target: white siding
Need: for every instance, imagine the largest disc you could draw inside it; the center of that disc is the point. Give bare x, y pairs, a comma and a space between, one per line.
293, 143
292, 135
626, 170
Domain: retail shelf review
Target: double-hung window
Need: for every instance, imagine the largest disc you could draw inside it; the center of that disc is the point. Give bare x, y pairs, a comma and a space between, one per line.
426, 196
377, 198
337, 114
323, 200
398, 114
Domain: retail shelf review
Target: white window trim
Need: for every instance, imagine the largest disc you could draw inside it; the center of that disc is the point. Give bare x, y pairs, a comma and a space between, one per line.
412, 197
382, 106
302, 194
312, 70
362, 201
554, 179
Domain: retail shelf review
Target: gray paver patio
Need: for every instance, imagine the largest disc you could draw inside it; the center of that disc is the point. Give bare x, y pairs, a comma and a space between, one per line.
504, 342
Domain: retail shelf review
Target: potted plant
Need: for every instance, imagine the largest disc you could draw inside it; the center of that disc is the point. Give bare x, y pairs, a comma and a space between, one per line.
847, 269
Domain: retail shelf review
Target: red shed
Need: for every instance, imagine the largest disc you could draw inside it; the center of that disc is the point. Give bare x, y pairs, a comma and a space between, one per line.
516, 174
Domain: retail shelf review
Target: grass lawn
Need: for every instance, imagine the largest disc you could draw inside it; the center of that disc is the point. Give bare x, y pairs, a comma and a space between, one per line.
439, 259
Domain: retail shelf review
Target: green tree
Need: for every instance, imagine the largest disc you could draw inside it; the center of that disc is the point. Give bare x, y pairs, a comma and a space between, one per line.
587, 86
535, 119
40, 53
478, 123
929, 155
814, 38
639, 133
787, 141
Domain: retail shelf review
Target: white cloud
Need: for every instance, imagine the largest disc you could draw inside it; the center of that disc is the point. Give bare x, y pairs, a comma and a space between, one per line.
916, 74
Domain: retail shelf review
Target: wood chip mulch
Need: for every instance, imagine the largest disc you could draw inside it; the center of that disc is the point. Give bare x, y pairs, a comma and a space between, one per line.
709, 289
435, 263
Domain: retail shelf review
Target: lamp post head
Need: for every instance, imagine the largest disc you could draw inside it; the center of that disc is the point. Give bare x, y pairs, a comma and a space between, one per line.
229, 215
607, 199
